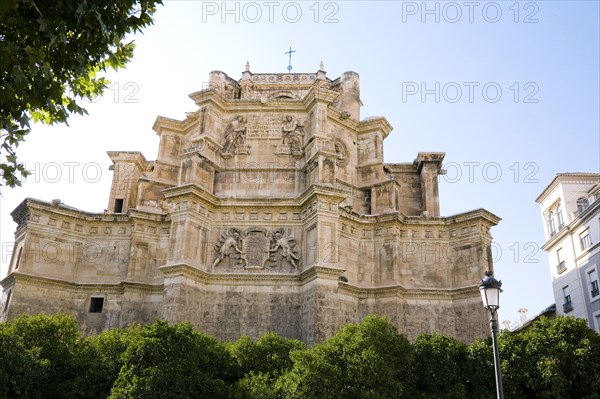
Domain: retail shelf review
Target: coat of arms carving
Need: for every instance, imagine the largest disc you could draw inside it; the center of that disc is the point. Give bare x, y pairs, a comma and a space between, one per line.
257, 249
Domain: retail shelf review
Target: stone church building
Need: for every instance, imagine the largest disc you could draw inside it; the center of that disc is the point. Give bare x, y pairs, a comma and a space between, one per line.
269, 208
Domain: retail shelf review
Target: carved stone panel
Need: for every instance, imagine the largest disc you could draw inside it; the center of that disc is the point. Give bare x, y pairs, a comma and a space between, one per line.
284, 251
229, 250
257, 249
234, 138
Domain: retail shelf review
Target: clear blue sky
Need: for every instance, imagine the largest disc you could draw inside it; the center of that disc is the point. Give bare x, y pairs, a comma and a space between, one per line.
517, 86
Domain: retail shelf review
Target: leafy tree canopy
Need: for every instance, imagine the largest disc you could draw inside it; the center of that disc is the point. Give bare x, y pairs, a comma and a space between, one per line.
50, 55
42, 357
173, 362
48, 357
261, 363
554, 358
368, 360
271, 353
440, 366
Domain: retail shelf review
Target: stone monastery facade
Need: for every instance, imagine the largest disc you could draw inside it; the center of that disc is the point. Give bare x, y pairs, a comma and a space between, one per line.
270, 208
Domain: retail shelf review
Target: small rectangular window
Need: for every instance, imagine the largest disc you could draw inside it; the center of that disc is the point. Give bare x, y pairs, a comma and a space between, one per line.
593, 279
595, 290
559, 255
567, 305
586, 241
96, 305
559, 217
119, 205
551, 226
562, 266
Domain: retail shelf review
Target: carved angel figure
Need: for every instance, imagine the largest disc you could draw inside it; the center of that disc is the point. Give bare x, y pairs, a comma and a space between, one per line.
287, 246
229, 245
235, 134
292, 133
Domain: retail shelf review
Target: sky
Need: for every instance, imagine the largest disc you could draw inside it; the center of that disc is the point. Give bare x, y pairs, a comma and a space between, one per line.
508, 90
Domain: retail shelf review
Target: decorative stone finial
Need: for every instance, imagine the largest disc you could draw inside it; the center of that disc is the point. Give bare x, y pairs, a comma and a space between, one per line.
321, 66
247, 66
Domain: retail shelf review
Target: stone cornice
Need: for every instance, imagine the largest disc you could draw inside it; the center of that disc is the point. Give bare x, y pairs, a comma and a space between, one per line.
67, 211
375, 123
248, 105
400, 167
405, 294
312, 273
296, 79
209, 95
334, 116
469, 216
191, 190
316, 190
339, 194
319, 94
149, 216
45, 282
174, 125
435, 158
157, 181
581, 178
322, 272
447, 221
135, 157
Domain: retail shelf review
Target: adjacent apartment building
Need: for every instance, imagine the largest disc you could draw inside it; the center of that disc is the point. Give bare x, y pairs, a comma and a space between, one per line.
570, 207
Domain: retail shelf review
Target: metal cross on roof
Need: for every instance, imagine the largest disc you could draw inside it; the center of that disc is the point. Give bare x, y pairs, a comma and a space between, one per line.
289, 68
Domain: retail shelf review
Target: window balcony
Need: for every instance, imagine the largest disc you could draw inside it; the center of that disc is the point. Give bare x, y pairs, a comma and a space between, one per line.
567, 306
595, 292
561, 267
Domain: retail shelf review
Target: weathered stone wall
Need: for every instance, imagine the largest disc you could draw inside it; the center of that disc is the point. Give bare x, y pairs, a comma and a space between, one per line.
228, 310
122, 305
270, 208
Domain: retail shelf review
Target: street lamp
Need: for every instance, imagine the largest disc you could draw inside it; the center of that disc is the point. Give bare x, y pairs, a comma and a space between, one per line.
490, 291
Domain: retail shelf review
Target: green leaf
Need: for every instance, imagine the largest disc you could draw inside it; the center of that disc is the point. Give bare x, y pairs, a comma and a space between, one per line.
60, 45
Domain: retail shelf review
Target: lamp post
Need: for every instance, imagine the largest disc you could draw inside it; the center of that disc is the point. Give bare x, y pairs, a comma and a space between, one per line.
490, 291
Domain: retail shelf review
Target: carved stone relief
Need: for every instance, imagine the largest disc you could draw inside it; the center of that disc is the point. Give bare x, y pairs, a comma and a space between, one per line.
292, 141
328, 172
234, 138
340, 152
284, 250
257, 249
229, 250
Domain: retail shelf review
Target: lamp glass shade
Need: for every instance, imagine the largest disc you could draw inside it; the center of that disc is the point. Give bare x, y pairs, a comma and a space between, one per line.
490, 297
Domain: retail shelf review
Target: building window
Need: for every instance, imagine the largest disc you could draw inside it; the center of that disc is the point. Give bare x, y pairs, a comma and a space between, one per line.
593, 279
554, 219
550, 223
559, 217
119, 205
562, 266
586, 241
8, 296
582, 204
96, 304
567, 305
